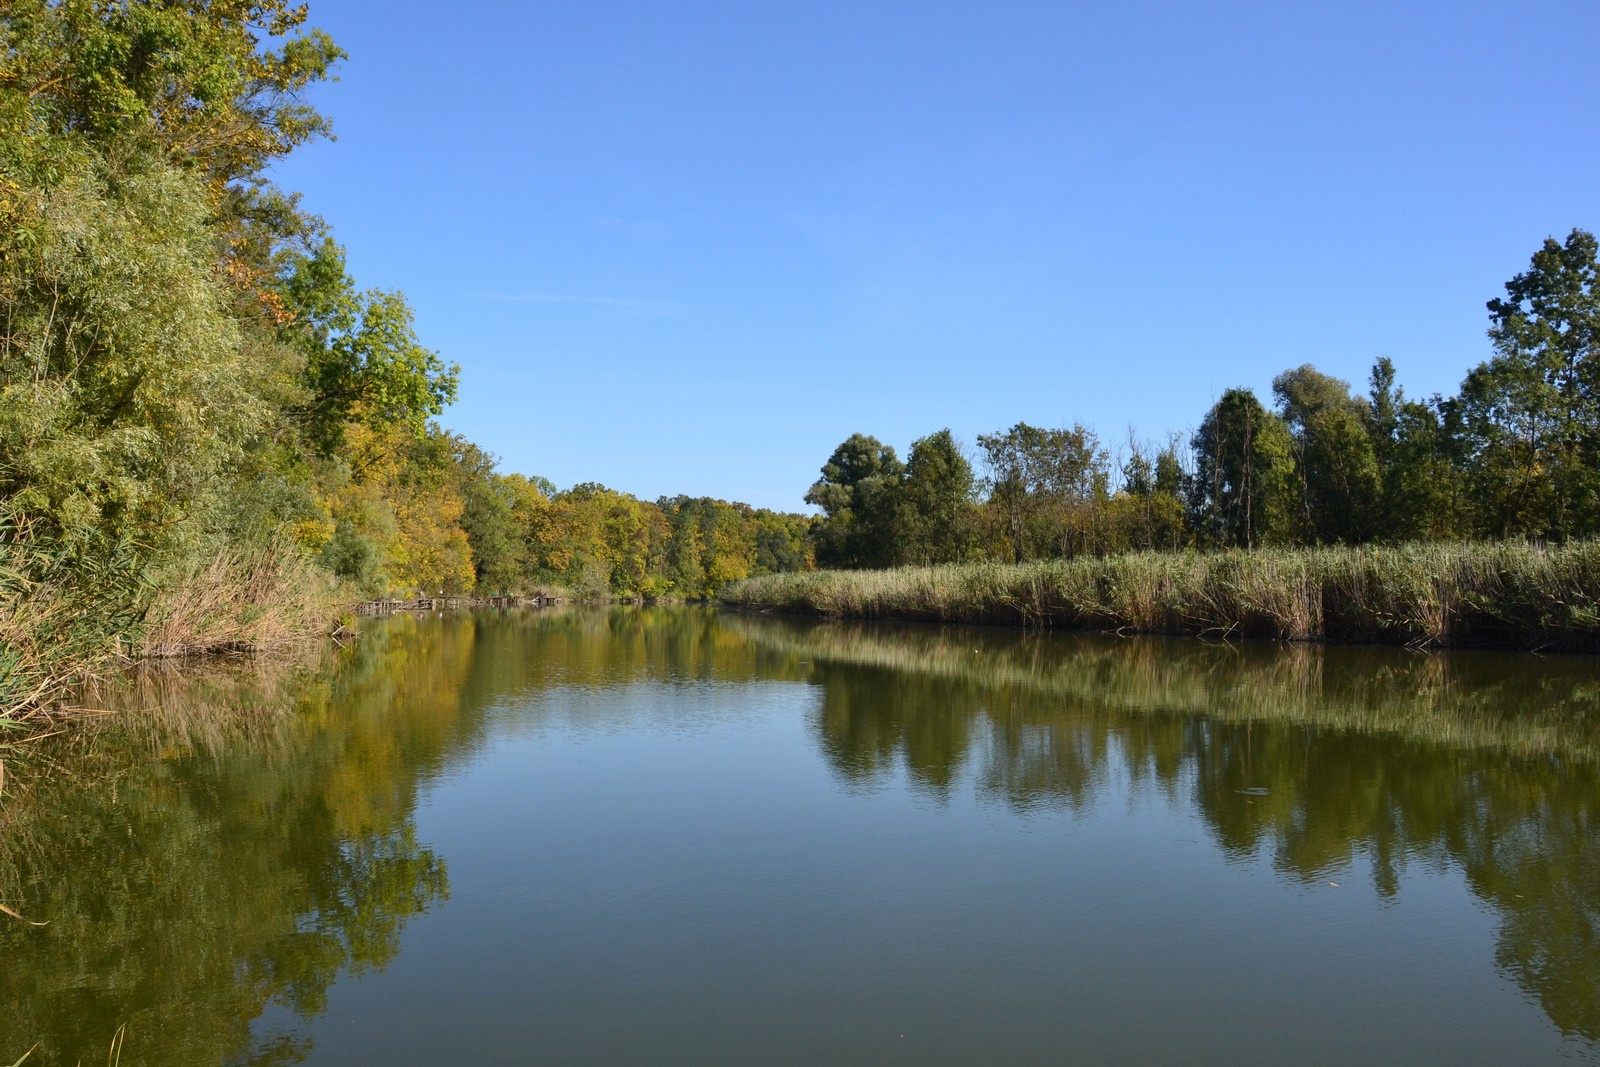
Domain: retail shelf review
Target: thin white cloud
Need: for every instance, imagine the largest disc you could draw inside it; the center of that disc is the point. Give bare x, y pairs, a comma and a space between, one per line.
640, 307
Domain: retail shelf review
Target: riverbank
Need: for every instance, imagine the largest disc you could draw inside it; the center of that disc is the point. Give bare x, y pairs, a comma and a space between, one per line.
1511, 595
62, 625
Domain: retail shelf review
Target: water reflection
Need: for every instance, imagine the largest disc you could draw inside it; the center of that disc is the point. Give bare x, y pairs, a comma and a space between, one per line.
1312, 755
248, 836
234, 838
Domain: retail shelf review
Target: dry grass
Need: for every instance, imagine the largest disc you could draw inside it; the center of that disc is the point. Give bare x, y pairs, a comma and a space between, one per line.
240, 601
65, 621
1425, 595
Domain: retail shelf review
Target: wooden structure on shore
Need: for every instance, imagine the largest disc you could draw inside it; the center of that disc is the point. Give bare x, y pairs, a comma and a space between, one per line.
447, 603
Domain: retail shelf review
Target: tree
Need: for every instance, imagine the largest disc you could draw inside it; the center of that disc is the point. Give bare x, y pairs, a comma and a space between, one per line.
498, 555
782, 543
116, 415
1334, 455
138, 381
361, 353
193, 77
1044, 486
934, 521
1244, 490
1417, 475
1531, 414
711, 544
857, 494
1147, 513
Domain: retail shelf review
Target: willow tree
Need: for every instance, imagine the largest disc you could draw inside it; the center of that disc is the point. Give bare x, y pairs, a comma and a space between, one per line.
133, 364
1244, 491
141, 381
857, 494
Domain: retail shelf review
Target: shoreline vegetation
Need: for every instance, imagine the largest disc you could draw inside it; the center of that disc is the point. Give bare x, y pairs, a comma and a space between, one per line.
1513, 595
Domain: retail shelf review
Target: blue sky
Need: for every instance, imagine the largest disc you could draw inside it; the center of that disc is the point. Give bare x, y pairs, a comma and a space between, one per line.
691, 247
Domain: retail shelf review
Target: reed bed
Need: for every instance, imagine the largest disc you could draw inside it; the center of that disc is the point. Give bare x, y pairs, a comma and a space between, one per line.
65, 621
260, 599
61, 618
1513, 595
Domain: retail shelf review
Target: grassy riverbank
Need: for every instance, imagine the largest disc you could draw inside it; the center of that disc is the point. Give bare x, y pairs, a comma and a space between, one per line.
1507, 595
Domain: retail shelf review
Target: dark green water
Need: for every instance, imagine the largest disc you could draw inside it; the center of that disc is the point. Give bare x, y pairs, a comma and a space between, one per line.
673, 836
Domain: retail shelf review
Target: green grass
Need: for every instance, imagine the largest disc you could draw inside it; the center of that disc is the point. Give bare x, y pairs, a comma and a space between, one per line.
60, 619
1425, 595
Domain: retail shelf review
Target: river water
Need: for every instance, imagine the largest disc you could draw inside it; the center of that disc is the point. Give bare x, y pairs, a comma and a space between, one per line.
673, 836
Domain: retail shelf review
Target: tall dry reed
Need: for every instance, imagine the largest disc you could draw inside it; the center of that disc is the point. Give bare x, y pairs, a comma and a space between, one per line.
1427, 595
253, 599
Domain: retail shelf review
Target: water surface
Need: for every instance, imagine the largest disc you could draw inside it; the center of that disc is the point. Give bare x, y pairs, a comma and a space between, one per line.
674, 836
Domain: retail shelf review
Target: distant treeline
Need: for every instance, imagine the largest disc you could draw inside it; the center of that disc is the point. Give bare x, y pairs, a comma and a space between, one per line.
515, 534
1514, 454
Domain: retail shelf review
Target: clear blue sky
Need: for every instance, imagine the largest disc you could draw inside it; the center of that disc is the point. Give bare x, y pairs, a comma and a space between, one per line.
691, 247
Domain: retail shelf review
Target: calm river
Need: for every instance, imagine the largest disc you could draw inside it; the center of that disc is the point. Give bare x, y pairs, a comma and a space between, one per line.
672, 836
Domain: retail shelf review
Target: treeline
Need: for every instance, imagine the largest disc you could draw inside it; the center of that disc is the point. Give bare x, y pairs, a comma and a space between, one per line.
1515, 453
209, 433
431, 512
516, 534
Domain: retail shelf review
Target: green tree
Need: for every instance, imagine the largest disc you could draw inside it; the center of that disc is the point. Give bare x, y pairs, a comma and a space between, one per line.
1044, 487
498, 555
1244, 487
1531, 414
361, 355
858, 494
1414, 451
1334, 455
116, 414
782, 543
194, 77
935, 502
1147, 512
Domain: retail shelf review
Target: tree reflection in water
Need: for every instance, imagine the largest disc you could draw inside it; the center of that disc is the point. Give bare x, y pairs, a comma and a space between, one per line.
1311, 754
233, 839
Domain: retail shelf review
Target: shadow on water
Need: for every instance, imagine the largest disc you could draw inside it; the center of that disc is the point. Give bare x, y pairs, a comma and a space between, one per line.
240, 838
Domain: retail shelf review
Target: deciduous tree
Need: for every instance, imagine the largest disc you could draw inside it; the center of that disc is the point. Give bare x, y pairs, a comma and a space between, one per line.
857, 494
1244, 489
1334, 455
1531, 414
934, 508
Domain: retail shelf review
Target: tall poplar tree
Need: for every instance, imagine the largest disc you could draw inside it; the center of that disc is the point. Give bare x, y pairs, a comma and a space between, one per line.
1531, 414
